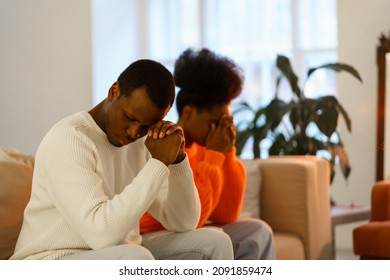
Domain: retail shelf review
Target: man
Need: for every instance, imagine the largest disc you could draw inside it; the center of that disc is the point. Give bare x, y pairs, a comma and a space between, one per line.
208, 82
96, 173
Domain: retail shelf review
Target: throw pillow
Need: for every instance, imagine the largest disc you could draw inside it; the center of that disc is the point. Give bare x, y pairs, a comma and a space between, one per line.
15, 189
251, 203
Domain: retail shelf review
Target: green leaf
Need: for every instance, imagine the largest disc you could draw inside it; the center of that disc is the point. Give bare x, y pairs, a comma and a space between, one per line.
277, 85
258, 135
337, 67
344, 161
345, 116
294, 117
329, 101
337, 151
275, 111
277, 145
314, 145
243, 106
293, 146
326, 120
332, 171
283, 63
258, 114
308, 112
241, 139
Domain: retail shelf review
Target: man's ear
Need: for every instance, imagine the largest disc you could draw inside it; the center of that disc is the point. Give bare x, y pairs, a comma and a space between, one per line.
113, 91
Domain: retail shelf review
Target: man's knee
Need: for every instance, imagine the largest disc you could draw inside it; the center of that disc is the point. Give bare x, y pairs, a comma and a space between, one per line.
133, 252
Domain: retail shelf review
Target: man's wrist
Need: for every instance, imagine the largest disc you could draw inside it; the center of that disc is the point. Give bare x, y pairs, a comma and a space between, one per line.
179, 158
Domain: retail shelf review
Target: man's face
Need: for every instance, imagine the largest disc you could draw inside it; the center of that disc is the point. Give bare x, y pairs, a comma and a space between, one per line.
127, 118
198, 126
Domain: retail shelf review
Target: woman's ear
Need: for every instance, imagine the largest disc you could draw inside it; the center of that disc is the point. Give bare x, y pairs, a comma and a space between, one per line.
188, 112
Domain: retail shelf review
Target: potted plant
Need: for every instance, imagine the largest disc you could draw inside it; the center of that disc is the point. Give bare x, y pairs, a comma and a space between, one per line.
286, 124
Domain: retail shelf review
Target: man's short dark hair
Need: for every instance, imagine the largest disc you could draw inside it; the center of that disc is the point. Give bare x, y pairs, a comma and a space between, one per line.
206, 79
155, 77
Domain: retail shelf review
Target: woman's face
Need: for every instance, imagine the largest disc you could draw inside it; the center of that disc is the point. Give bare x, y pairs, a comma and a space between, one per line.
197, 123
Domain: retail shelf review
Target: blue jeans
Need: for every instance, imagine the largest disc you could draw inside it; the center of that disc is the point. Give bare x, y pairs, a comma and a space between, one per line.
200, 244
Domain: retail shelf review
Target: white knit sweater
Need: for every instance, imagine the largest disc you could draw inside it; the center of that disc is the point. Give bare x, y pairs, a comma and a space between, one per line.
88, 194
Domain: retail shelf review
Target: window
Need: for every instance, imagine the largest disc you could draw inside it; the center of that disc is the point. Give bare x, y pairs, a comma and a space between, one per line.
251, 32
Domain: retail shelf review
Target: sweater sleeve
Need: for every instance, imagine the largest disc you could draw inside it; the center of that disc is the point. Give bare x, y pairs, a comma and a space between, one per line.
188, 201
220, 181
208, 179
177, 206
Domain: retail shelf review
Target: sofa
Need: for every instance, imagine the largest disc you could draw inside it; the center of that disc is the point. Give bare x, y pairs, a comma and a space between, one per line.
15, 188
290, 193
371, 241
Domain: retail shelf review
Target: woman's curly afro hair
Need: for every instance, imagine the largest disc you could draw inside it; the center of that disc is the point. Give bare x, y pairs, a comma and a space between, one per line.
206, 79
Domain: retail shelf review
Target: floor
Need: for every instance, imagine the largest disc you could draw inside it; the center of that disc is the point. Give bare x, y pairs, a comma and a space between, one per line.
345, 254
344, 242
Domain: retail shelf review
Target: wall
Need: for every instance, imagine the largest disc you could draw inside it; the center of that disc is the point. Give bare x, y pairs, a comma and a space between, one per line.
45, 69
360, 23
112, 45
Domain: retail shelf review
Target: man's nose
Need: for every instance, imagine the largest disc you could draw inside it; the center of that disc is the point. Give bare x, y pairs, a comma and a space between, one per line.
133, 131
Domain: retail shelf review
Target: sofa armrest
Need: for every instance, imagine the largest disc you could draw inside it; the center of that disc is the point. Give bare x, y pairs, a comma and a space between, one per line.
371, 240
380, 201
295, 198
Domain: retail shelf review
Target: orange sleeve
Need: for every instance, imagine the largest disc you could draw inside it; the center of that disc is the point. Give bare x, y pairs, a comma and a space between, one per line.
149, 224
208, 179
232, 195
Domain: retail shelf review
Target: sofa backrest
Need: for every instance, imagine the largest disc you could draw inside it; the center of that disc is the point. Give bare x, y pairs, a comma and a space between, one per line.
15, 189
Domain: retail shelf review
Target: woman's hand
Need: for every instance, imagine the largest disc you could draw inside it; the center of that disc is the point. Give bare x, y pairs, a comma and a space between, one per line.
222, 137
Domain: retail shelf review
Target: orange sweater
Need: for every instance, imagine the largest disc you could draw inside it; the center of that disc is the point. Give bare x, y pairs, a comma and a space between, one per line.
220, 181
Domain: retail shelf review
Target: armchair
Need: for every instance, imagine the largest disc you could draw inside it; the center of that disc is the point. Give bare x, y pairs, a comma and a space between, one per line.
372, 240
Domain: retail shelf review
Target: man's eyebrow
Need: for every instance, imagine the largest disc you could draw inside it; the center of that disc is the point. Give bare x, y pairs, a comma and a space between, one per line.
132, 117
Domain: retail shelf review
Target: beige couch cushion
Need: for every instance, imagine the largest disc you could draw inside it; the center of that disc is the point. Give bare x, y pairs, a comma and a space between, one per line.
288, 247
15, 189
